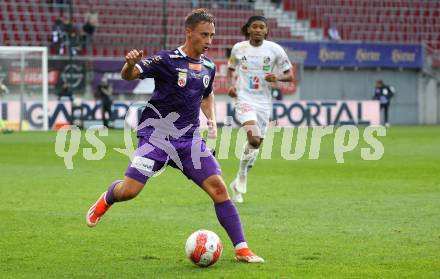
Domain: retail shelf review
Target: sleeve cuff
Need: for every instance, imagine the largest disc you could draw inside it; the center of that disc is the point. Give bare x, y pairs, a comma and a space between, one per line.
287, 68
207, 95
139, 68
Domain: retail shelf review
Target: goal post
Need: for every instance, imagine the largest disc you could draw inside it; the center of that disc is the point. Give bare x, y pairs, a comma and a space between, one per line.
24, 71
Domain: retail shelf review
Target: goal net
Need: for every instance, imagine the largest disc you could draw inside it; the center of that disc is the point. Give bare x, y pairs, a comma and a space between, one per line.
23, 84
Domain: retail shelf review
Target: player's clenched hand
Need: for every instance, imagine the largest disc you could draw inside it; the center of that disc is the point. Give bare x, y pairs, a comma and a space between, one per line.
232, 92
212, 129
270, 78
133, 57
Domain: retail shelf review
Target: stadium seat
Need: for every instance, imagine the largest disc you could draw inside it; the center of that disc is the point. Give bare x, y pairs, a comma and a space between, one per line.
393, 15
31, 23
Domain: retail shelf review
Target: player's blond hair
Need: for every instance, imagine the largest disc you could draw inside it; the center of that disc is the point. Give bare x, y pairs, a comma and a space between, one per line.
197, 16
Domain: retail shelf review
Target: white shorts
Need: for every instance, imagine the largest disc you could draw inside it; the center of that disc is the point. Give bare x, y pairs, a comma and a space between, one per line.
245, 112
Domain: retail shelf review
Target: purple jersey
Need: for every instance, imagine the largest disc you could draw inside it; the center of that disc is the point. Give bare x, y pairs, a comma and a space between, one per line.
180, 84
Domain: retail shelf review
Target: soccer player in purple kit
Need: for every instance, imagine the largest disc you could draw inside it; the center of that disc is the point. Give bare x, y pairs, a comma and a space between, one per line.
183, 85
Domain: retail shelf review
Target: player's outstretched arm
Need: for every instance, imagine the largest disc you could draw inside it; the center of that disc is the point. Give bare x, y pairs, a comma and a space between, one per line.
129, 71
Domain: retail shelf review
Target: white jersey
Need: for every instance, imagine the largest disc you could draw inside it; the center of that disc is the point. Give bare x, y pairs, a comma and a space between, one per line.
251, 65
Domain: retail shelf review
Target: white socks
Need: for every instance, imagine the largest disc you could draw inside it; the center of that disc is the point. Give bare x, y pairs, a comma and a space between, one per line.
248, 158
241, 245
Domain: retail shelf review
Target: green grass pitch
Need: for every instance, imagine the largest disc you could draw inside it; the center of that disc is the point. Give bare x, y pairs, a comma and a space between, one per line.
307, 218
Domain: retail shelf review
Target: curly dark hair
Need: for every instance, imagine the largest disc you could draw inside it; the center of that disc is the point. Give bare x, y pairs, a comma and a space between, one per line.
249, 22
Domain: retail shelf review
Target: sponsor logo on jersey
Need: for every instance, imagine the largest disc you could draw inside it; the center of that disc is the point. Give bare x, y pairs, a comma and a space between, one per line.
243, 61
206, 81
181, 81
174, 56
196, 75
195, 67
150, 60
182, 70
146, 62
244, 107
254, 82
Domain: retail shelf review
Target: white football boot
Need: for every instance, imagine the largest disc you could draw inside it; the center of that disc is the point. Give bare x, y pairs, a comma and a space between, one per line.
236, 196
241, 184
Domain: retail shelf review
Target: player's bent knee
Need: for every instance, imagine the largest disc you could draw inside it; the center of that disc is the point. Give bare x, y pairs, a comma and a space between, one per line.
220, 191
255, 142
216, 188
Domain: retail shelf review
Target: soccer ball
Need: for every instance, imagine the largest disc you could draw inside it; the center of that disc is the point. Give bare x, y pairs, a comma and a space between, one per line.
203, 248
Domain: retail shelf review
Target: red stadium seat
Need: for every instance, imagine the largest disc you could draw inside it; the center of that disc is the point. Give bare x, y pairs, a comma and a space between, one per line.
393, 21
381, 19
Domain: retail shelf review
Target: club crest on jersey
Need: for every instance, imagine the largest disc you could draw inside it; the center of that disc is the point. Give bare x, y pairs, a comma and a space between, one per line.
206, 81
266, 60
181, 81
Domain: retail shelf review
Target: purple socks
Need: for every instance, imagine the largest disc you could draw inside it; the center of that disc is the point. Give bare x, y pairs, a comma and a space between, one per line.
109, 198
226, 211
228, 216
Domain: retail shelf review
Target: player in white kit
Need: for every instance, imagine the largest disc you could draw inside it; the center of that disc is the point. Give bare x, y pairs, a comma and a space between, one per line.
252, 68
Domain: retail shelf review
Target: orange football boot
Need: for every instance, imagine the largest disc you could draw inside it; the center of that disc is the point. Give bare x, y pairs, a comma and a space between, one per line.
246, 255
96, 211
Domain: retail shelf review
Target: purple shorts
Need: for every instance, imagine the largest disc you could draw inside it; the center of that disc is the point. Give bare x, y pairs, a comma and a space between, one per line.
190, 155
